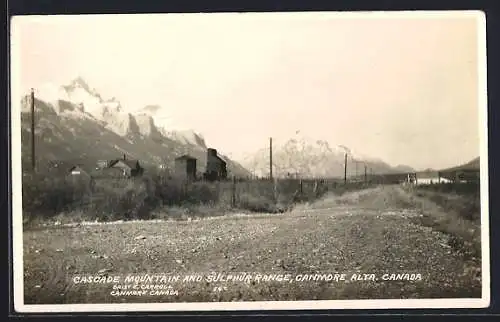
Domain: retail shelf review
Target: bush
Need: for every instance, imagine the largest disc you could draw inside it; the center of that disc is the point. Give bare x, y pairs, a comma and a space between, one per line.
469, 188
168, 191
172, 191
201, 193
46, 196
107, 199
130, 202
257, 203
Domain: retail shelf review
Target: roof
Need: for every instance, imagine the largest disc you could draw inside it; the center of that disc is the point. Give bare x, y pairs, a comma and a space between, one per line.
62, 168
220, 159
132, 164
185, 157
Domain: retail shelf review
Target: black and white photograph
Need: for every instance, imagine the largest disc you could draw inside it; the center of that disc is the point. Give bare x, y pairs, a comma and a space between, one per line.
249, 161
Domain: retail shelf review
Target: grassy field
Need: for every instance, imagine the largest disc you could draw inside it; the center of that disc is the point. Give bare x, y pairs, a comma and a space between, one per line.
454, 209
376, 231
47, 199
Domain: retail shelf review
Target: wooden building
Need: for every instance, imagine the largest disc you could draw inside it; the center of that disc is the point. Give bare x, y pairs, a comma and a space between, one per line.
216, 167
68, 171
129, 168
185, 167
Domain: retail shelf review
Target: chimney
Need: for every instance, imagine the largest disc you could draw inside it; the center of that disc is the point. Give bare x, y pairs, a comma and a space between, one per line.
212, 152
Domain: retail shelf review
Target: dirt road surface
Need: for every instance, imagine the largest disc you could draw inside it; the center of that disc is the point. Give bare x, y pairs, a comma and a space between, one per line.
374, 233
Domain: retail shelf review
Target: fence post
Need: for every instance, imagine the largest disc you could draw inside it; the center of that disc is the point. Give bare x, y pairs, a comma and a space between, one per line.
184, 190
233, 193
275, 194
91, 200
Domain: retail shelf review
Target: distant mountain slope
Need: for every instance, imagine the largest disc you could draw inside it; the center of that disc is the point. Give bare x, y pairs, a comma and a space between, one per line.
184, 136
471, 165
73, 122
306, 157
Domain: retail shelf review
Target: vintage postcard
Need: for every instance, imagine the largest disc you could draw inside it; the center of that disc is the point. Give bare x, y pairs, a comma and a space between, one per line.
249, 161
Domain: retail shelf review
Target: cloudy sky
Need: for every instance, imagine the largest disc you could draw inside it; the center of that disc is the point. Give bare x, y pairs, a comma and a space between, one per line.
401, 88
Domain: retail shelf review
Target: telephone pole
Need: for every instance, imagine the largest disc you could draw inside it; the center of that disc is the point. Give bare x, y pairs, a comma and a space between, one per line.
271, 158
33, 158
345, 168
365, 175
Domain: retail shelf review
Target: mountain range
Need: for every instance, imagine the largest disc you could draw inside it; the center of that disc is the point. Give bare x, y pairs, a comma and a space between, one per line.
472, 165
306, 157
77, 124
74, 123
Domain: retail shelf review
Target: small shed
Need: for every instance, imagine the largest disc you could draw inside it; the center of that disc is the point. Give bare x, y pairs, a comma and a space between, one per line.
68, 171
185, 167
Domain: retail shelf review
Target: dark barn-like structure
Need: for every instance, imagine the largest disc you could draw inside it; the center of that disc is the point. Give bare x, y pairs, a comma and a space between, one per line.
129, 168
185, 167
216, 167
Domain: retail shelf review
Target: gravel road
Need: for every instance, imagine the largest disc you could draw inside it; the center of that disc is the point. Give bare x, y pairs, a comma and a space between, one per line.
362, 245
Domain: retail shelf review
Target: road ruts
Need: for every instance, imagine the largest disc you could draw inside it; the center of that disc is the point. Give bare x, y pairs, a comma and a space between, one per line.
366, 232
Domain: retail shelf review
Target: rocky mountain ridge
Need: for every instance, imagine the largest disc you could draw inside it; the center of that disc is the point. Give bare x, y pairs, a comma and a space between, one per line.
303, 156
74, 122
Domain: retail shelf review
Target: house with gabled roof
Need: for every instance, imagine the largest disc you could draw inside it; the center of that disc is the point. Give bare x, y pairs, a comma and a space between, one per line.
129, 168
66, 170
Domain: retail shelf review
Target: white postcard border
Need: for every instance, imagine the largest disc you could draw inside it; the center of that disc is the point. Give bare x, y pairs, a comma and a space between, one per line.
17, 225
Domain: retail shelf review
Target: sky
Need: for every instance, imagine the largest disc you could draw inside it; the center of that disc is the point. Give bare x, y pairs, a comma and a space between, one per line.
400, 87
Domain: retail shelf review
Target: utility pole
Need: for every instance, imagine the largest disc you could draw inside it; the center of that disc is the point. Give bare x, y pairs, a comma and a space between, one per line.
365, 175
33, 158
271, 158
356, 162
345, 168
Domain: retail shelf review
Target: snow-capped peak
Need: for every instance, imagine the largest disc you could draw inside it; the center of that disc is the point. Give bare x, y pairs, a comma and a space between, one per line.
79, 92
146, 125
51, 93
168, 128
187, 136
78, 97
80, 84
